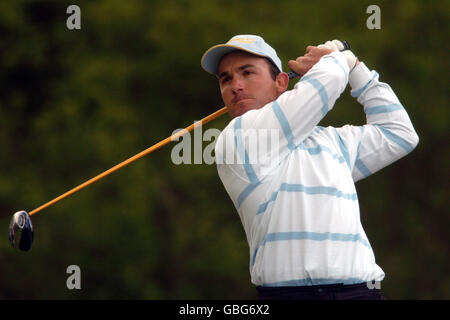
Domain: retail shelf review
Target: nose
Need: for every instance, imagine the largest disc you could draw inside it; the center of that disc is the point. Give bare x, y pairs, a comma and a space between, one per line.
237, 85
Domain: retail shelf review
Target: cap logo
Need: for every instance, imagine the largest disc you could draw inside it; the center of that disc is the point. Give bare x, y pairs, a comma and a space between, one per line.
242, 40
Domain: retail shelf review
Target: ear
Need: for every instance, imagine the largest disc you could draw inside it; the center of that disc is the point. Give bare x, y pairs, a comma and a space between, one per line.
282, 82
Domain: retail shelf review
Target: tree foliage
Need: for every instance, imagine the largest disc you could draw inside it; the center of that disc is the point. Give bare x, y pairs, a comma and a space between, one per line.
73, 103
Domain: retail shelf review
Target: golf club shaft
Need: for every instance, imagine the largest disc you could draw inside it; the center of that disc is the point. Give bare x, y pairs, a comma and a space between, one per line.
156, 146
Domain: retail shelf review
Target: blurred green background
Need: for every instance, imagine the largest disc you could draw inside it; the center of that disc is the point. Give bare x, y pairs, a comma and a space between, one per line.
75, 103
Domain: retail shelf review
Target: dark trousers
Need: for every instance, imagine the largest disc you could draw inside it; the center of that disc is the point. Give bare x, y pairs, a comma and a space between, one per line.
321, 292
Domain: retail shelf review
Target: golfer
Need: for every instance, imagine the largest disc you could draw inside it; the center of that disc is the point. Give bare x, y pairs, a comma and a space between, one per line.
297, 201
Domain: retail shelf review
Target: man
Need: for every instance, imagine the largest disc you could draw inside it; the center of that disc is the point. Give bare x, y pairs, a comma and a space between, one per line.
296, 196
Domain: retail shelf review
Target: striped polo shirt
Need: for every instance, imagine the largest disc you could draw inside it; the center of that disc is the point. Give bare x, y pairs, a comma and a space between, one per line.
293, 182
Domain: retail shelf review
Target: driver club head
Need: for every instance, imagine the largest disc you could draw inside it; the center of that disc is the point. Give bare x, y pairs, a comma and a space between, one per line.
21, 231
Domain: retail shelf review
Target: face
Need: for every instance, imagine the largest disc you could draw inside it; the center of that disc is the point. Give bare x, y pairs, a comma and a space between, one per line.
245, 82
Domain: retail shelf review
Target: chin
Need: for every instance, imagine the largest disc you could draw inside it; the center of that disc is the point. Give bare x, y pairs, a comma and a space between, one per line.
239, 110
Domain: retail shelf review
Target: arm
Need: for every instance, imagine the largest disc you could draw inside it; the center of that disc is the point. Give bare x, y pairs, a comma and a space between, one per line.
291, 118
293, 115
388, 134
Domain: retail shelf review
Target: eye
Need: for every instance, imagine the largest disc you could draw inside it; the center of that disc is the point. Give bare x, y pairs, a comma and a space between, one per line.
225, 79
246, 72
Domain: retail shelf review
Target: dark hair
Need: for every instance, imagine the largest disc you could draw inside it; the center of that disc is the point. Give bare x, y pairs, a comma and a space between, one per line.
273, 70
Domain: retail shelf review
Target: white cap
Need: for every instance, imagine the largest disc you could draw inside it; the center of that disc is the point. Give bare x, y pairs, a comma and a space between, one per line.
249, 43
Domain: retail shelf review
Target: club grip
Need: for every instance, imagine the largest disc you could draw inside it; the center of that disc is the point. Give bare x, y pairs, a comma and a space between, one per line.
346, 45
293, 74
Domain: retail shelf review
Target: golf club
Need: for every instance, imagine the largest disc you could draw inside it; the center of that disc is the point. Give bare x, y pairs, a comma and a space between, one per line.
21, 228
21, 231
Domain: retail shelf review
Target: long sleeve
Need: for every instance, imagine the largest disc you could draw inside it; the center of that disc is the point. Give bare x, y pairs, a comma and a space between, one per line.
388, 134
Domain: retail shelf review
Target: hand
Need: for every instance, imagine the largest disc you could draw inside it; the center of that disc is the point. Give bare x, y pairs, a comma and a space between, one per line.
302, 64
336, 45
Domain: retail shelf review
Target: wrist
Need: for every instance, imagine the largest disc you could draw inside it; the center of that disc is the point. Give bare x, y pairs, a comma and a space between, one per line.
359, 76
352, 60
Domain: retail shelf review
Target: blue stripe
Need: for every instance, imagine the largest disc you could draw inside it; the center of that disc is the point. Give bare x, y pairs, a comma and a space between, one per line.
314, 236
263, 206
284, 125
339, 64
396, 139
242, 152
320, 90
384, 109
318, 190
254, 181
246, 192
357, 93
308, 190
252, 262
320, 148
362, 168
343, 148
313, 282
358, 162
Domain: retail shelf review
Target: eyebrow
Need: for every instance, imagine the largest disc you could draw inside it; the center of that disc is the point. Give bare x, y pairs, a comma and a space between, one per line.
245, 66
